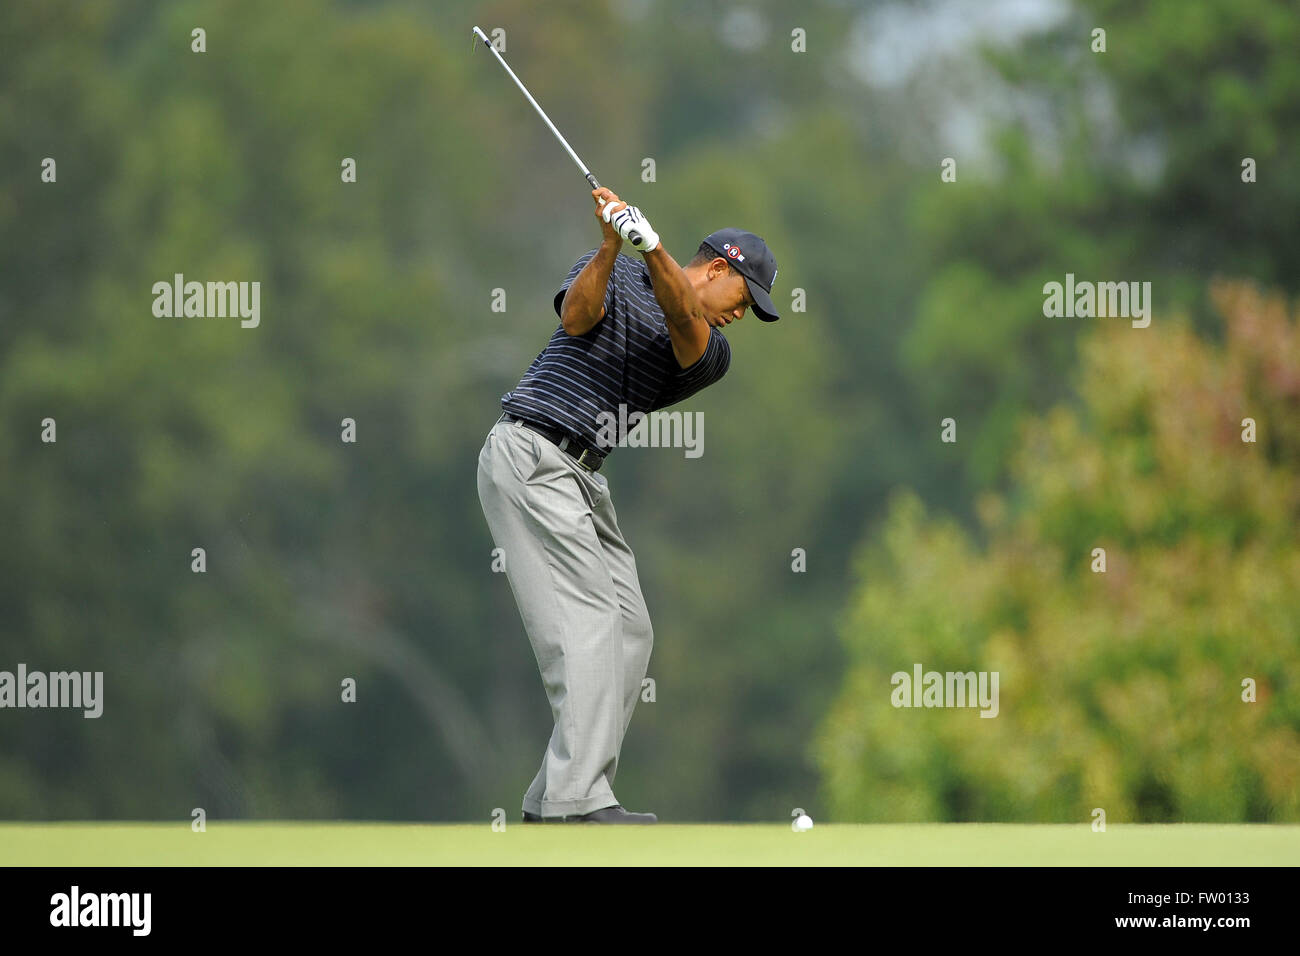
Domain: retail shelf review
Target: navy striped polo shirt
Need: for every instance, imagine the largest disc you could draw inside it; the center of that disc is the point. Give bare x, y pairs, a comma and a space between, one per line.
626, 357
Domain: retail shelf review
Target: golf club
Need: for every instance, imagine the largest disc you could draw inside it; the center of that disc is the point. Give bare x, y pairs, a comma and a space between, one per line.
634, 237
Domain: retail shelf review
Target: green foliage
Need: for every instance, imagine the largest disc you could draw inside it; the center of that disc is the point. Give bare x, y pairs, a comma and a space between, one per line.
1127, 167
372, 560
1123, 689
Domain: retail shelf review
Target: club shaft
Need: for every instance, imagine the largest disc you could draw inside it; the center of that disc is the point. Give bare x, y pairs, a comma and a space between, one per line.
540, 112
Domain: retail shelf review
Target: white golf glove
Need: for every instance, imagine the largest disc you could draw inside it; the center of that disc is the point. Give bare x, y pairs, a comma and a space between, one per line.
631, 225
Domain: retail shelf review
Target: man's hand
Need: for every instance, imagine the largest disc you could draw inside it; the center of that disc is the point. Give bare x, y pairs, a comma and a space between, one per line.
634, 227
604, 197
628, 222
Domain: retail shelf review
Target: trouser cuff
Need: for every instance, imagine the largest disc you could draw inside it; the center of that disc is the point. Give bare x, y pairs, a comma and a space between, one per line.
573, 808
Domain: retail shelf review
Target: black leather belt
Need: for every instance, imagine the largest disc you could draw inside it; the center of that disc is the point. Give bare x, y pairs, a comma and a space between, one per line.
585, 457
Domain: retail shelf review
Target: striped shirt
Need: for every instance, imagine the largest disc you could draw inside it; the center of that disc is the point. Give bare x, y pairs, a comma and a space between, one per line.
626, 357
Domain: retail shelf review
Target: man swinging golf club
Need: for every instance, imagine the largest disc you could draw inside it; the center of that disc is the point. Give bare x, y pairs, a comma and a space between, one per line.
644, 334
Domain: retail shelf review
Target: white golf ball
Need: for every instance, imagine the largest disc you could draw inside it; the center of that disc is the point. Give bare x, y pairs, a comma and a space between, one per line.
803, 823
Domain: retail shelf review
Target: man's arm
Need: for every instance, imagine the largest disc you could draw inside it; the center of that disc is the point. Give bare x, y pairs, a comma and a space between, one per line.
583, 304
687, 326
578, 312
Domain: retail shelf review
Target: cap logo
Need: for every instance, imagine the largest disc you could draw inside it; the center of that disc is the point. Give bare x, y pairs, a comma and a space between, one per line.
733, 252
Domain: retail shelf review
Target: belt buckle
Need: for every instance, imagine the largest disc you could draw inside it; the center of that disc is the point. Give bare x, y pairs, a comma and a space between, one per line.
582, 460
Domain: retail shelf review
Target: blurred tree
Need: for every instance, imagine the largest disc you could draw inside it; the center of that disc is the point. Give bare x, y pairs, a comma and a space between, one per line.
1120, 165
372, 560
1123, 689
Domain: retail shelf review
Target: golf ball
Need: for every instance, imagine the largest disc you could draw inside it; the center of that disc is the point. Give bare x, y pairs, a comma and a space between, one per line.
803, 823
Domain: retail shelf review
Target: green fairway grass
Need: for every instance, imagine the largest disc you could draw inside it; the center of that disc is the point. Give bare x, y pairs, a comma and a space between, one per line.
389, 844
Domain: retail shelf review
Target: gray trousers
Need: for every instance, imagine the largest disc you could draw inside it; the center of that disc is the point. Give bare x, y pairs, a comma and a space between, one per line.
574, 579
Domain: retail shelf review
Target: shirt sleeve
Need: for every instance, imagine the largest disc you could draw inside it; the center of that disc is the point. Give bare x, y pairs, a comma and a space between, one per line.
573, 274
706, 370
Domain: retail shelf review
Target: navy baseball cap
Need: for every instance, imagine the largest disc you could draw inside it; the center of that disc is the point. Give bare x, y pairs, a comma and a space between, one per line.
750, 256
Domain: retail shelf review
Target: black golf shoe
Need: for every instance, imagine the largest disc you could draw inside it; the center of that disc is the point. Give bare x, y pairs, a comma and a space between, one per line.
614, 814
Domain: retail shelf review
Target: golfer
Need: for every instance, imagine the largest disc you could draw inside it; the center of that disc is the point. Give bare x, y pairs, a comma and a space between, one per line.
644, 335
